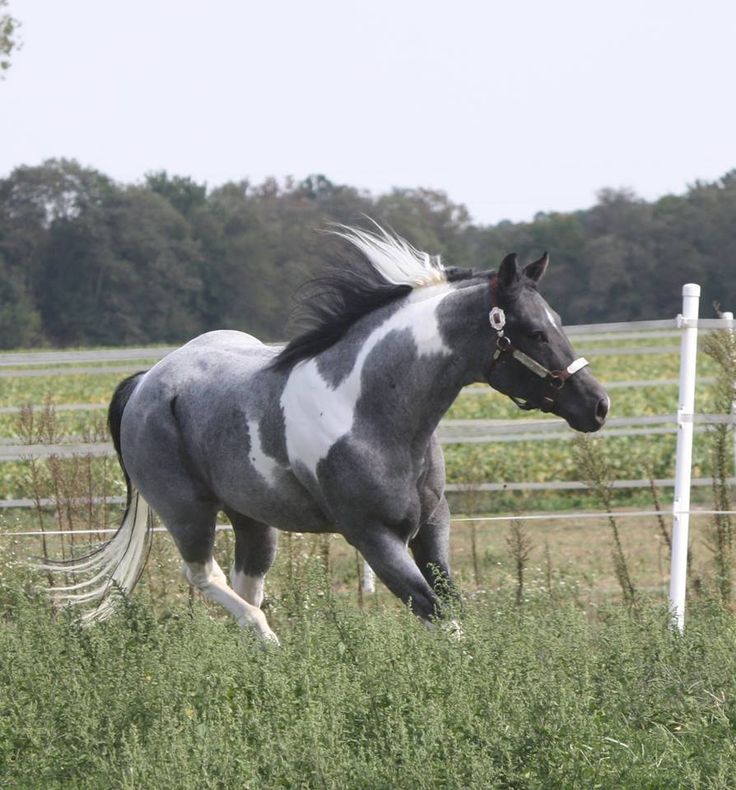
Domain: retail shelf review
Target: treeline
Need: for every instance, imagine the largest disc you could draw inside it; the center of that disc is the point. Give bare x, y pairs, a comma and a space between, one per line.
86, 261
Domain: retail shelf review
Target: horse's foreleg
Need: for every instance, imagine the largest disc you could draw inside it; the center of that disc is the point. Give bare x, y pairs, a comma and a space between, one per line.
255, 551
388, 555
431, 549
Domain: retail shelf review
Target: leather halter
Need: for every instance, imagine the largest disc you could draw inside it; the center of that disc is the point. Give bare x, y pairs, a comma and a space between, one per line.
555, 378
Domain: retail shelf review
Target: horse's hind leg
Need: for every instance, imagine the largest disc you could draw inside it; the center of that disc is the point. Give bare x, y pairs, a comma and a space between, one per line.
209, 579
193, 529
255, 551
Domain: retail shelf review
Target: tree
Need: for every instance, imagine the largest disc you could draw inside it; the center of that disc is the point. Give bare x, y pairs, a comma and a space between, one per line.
20, 322
33, 200
86, 260
9, 39
184, 194
123, 272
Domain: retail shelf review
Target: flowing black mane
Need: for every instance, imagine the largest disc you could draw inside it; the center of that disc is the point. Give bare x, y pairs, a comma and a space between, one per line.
329, 305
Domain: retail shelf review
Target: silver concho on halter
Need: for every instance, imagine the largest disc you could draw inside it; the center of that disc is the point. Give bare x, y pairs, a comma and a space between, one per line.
497, 317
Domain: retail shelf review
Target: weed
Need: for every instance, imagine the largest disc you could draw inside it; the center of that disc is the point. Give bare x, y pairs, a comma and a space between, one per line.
597, 474
545, 696
721, 347
520, 546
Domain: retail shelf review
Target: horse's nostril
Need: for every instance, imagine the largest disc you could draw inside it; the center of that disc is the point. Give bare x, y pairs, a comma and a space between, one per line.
601, 410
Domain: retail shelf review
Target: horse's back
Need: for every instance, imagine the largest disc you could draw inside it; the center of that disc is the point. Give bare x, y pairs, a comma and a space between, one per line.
199, 384
210, 411
205, 365
245, 352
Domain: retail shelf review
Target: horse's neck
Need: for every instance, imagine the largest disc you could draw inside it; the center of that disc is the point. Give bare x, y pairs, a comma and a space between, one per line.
415, 375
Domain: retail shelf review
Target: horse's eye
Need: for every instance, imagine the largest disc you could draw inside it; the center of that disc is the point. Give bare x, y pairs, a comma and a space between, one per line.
538, 336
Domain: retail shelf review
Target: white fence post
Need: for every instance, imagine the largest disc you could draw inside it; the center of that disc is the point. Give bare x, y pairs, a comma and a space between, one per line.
683, 468
368, 581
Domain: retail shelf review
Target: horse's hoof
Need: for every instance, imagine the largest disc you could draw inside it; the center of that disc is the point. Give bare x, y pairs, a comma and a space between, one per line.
268, 640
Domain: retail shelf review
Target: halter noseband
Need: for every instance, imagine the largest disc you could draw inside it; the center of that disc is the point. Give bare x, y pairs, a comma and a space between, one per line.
555, 378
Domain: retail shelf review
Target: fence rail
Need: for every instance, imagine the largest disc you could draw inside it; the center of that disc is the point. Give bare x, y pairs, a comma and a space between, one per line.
14, 359
450, 432
223, 527
453, 488
472, 389
8, 371
628, 330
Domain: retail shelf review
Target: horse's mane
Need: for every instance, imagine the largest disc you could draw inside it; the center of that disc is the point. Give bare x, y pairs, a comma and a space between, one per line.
387, 269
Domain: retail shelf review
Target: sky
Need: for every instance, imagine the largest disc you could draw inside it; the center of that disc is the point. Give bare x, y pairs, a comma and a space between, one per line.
509, 107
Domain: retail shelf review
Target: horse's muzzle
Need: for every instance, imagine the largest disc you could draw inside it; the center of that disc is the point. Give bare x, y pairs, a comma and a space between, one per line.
591, 419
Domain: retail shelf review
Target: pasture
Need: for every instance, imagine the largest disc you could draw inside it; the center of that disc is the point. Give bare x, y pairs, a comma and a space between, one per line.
552, 682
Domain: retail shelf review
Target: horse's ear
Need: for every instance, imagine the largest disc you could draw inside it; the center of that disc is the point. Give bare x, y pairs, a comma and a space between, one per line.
535, 270
509, 271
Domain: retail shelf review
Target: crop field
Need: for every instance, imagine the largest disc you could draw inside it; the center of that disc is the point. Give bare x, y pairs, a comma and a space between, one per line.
552, 681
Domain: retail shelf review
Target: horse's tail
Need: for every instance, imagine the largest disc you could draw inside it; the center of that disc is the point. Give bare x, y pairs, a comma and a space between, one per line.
117, 563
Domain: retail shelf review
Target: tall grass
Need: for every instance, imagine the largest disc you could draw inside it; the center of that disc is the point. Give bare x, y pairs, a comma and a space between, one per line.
547, 695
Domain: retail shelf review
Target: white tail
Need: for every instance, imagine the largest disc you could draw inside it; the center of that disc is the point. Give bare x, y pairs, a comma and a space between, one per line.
116, 564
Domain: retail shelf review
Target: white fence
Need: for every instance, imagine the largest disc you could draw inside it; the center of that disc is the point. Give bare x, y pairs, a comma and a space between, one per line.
684, 423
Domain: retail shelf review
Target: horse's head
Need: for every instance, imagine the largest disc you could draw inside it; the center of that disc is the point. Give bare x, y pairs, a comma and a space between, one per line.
532, 360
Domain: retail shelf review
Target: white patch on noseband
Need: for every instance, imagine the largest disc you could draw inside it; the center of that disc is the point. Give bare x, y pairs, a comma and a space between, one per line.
317, 415
264, 464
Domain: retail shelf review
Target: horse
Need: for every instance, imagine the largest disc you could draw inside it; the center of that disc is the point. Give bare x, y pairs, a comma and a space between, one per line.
334, 432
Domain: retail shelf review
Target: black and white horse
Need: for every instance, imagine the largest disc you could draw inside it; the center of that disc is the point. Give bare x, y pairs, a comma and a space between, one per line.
335, 432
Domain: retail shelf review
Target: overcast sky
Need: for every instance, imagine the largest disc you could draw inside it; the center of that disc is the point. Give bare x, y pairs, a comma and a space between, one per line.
510, 107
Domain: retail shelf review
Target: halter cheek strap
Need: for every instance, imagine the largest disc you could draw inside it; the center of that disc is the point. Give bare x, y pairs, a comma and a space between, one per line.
555, 378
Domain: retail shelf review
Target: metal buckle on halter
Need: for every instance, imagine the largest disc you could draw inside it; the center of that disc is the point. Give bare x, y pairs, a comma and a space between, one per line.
557, 379
497, 317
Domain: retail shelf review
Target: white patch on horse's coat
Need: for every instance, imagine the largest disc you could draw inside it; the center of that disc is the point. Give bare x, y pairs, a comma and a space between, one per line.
317, 415
263, 464
394, 258
551, 318
249, 588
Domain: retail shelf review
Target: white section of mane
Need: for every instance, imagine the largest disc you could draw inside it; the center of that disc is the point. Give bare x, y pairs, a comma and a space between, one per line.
394, 258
